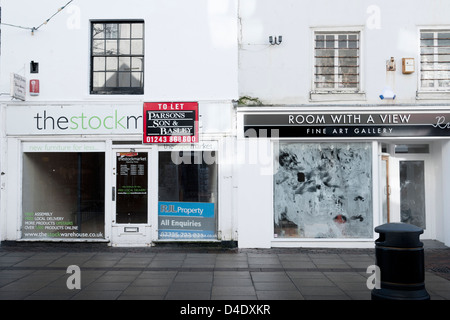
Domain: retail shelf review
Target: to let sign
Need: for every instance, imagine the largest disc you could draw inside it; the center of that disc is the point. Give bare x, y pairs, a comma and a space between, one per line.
170, 122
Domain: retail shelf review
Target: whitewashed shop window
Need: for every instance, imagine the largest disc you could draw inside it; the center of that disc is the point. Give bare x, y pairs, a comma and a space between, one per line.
435, 60
337, 62
323, 190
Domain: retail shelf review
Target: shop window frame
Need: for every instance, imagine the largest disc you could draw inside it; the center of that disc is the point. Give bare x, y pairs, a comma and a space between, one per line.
434, 92
342, 94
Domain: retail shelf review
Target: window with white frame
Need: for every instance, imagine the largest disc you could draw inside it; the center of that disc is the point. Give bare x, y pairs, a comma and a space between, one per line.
337, 62
435, 60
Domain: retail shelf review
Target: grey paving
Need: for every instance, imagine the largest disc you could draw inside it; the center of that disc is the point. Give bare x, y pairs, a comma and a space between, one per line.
40, 273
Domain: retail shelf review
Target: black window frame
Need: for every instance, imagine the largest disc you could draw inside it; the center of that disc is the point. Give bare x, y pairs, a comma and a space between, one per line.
117, 89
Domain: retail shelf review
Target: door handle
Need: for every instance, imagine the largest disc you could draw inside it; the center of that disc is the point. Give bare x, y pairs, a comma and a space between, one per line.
113, 193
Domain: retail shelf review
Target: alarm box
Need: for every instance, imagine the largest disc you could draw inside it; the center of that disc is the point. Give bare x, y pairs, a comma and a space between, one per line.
34, 87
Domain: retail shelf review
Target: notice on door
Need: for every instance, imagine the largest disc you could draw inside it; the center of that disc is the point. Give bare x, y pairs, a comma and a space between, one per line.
170, 122
131, 185
186, 220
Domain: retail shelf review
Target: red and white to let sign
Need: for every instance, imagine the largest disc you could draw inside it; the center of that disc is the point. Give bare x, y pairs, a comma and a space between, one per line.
170, 122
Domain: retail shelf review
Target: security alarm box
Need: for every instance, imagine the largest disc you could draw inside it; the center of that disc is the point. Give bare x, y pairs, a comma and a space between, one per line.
34, 87
407, 65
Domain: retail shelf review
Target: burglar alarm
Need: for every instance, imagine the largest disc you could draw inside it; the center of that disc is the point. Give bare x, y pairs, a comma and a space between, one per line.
34, 87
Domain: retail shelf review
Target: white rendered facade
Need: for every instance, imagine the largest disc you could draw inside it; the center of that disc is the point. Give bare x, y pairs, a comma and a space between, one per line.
319, 101
181, 52
217, 54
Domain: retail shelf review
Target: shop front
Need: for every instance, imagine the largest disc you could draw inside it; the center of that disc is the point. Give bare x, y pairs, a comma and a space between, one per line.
84, 174
336, 175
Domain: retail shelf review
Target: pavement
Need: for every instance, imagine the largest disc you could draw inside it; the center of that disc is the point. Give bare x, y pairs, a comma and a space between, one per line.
40, 272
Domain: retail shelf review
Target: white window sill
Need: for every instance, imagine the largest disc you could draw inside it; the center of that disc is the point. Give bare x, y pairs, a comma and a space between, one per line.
433, 95
337, 96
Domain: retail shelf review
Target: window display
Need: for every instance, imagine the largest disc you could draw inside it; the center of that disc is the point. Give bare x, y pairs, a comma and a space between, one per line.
187, 207
323, 190
63, 195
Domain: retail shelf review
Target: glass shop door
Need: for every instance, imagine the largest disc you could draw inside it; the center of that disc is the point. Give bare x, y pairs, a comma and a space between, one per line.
413, 190
130, 198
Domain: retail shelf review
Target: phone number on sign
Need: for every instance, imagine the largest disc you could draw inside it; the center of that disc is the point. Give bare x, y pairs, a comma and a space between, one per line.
185, 235
171, 139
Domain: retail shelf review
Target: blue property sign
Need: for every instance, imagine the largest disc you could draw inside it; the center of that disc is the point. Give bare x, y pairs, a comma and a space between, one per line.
186, 220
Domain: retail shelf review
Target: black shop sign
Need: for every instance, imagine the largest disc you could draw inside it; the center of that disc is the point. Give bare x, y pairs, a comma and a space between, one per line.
342, 125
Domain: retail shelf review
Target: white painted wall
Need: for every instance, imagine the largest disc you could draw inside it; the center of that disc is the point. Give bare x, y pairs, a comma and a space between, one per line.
282, 74
190, 47
191, 54
255, 194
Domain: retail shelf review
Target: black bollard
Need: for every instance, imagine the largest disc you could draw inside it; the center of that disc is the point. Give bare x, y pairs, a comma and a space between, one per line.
400, 258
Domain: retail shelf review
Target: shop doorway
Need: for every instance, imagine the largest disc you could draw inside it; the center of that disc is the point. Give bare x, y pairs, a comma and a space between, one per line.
385, 189
131, 187
412, 187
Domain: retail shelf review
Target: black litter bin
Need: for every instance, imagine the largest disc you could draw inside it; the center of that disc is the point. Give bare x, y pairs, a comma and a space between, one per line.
400, 257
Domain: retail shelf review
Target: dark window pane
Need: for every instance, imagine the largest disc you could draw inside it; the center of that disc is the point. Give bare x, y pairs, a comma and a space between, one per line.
131, 186
63, 195
137, 79
124, 79
412, 193
190, 185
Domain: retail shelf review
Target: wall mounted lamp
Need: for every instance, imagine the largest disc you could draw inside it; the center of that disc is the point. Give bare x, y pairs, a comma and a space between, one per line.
275, 40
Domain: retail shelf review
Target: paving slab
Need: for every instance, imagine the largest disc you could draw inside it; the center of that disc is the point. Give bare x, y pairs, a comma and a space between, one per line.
40, 273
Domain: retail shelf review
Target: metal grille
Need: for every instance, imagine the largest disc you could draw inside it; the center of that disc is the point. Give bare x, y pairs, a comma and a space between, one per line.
435, 60
336, 66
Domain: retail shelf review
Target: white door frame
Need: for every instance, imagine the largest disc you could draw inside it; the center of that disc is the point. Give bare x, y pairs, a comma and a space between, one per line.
134, 234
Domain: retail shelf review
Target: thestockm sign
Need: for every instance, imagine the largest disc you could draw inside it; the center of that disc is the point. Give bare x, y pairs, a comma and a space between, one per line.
74, 119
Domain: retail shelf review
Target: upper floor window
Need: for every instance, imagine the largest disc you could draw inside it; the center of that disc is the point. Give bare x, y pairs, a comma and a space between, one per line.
117, 57
435, 60
336, 62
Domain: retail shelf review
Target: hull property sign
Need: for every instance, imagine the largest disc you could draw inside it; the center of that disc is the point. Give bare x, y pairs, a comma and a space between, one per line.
170, 122
353, 125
